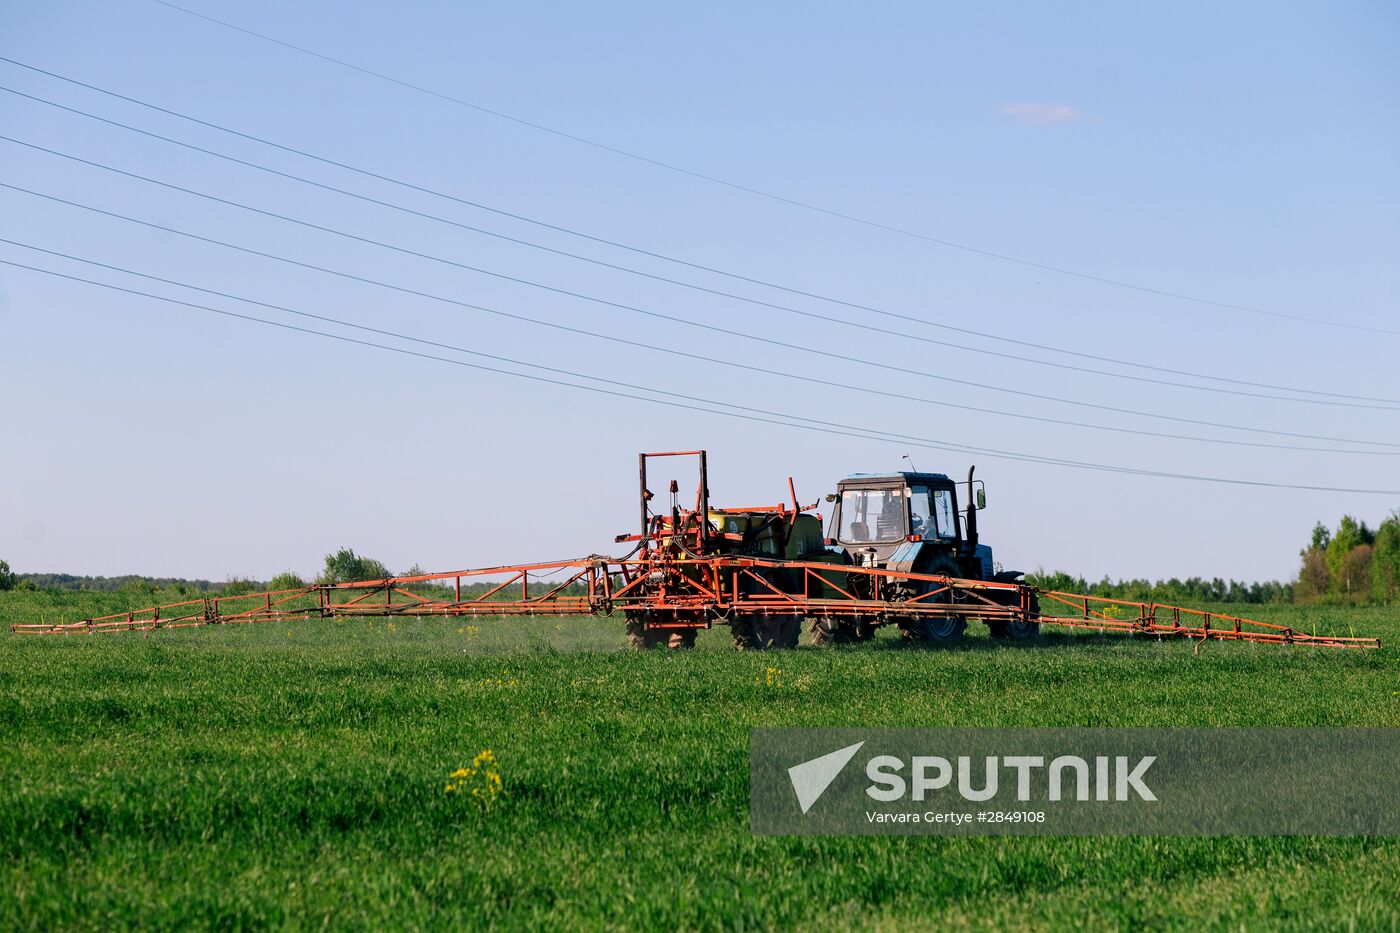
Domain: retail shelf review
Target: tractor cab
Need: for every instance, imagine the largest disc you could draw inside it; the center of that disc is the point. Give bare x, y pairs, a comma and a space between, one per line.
910, 522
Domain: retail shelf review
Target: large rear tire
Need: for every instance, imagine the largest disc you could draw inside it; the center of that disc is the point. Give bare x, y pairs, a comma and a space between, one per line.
935, 628
1020, 629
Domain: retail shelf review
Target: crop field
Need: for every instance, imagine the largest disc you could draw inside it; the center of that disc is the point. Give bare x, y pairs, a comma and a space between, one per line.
336, 772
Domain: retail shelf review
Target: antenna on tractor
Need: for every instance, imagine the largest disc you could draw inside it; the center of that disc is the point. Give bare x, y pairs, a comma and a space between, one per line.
911, 462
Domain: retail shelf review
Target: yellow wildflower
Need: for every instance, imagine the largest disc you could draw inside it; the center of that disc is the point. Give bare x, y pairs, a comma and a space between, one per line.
482, 780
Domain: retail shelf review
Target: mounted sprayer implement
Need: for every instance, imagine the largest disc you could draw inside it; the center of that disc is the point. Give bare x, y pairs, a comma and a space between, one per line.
901, 553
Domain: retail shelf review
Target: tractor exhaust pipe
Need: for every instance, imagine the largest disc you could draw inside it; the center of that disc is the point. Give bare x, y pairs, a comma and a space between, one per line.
971, 512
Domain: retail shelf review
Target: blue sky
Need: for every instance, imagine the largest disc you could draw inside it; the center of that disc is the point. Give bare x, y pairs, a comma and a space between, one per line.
1244, 153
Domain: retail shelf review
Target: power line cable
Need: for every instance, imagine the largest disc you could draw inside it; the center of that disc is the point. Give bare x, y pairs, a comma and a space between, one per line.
823, 382
459, 349
782, 199
708, 360
903, 335
738, 410
1134, 364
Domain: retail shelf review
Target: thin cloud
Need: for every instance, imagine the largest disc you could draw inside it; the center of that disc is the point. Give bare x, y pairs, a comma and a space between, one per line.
1041, 114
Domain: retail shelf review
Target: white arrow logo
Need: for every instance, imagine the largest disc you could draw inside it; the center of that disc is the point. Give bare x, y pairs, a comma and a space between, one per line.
811, 778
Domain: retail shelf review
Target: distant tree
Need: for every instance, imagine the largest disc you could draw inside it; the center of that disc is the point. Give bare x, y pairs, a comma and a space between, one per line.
1321, 537
1356, 573
414, 571
345, 566
1314, 579
286, 580
1350, 535
1385, 561
7, 576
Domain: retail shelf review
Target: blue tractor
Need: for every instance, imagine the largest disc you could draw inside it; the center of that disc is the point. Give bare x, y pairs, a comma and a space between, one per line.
910, 522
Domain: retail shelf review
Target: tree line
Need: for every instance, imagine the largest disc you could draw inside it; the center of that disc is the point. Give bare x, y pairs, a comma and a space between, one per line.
1173, 591
125, 583
1353, 564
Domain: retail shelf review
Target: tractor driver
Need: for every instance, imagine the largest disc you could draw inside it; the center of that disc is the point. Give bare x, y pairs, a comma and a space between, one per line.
891, 520
920, 519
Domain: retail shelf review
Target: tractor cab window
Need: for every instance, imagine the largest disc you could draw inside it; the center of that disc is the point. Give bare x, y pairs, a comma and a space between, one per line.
931, 513
872, 516
943, 513
921, 511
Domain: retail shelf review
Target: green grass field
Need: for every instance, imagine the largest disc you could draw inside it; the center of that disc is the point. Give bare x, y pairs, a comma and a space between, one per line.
295, 774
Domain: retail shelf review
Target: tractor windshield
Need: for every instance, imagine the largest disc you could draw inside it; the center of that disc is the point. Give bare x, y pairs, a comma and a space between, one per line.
871, 516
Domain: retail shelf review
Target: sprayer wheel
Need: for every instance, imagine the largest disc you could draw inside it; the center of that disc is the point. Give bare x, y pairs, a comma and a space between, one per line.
838, 630
639, 636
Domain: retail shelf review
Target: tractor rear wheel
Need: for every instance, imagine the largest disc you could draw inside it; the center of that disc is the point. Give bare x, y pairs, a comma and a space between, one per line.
935, 628
1023, 629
